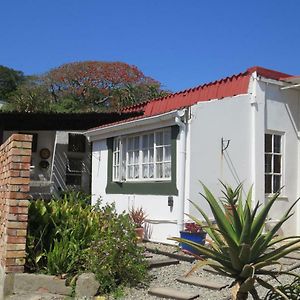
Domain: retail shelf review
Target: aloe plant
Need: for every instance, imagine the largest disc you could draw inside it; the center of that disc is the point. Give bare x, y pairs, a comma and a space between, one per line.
240, 248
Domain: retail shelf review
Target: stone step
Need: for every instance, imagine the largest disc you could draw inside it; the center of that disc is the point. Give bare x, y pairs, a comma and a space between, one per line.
194, 280
35, 296
157, 263
172, 293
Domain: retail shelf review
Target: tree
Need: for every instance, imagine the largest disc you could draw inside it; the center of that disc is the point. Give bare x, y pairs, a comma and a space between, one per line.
9, 80
101, 85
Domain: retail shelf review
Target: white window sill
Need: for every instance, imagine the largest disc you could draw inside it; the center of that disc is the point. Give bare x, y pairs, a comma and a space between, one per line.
280, 197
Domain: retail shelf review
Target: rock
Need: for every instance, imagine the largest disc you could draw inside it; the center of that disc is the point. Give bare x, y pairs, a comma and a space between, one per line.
86, 286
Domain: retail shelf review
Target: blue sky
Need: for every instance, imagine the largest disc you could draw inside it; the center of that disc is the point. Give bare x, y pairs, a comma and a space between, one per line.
181, 43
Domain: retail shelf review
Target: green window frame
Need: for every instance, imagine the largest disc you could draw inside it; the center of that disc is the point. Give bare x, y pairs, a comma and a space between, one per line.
157, 187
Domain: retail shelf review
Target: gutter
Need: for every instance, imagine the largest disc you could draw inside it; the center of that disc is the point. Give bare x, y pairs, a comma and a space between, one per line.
179, 120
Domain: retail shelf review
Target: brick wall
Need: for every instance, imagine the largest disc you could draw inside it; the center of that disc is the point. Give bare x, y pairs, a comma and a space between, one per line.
15, 156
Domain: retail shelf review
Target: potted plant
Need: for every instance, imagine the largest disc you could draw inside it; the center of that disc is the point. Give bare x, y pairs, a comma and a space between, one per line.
192, 232
138, 217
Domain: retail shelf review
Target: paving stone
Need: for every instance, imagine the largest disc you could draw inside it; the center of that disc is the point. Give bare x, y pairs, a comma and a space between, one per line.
194, 280
157, 263
211, 270
286, 261
293, 255
172, 293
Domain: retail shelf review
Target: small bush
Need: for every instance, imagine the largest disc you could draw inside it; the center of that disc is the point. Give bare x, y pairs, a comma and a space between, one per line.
114, 256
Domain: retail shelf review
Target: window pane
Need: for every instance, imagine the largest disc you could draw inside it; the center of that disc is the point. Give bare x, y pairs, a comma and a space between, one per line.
159, 171
136, 156
145, 156
151, 140
130, 157
136, 171
130, 143
268, 185
159, 138
277, 143
151, 155
130, 172
167, 137
145, 171
276, 183
167, 153
159, 154
268, 163
277, 164
136, 142
151, 171
167, 170
268, 143
145, 141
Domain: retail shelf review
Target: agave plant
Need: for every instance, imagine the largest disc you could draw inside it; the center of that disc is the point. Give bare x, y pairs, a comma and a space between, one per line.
240, 247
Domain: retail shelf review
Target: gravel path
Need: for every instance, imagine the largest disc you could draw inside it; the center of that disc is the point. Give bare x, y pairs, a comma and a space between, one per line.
166, 277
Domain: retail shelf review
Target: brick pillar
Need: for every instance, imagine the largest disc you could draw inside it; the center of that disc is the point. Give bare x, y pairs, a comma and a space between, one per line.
15, 156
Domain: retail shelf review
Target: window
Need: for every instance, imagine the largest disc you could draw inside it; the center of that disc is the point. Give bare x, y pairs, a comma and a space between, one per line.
142, 157
273, 163
73, 171
76, 143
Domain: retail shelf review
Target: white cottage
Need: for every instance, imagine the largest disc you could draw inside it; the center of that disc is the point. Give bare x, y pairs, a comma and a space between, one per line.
243, 128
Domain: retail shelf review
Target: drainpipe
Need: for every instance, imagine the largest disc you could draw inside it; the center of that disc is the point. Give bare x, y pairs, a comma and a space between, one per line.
179, 120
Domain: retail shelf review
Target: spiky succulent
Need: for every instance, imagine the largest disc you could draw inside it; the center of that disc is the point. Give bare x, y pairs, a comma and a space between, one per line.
240, 247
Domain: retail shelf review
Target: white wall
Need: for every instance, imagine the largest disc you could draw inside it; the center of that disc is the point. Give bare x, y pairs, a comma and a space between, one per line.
162, 219
282, 115
228, 118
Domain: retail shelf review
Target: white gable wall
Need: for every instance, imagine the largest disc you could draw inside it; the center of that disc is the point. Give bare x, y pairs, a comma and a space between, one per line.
211, 121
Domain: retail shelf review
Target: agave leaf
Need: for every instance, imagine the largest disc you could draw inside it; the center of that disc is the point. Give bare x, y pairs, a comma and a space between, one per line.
270, 287
198, 265
247, 285
209, 223
259, 221
214, 255
280, 252
245, 253
247, 271
264, 244
220, 217
281, 239
246, 232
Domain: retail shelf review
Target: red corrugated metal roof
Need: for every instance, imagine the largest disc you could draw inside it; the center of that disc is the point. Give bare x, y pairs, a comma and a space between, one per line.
226, 87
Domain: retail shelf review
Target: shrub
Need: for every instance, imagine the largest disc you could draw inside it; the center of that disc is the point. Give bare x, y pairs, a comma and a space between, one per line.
67, 236
114, 256
49, 223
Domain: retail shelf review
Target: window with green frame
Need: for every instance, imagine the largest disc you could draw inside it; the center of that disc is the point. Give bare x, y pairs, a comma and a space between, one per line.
143, 163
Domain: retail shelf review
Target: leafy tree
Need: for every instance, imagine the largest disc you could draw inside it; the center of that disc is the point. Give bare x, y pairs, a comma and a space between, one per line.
9, 80
101, 85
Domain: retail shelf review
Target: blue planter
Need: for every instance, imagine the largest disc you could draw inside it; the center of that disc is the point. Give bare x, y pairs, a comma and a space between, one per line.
197, 237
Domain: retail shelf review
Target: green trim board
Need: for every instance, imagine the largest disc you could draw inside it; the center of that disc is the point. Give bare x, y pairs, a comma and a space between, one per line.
144, 188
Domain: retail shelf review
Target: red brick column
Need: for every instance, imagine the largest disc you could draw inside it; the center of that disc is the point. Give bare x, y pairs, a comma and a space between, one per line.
15, 156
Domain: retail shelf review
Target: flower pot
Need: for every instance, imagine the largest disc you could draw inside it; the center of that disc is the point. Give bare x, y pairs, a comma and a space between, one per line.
139, 234
197, 237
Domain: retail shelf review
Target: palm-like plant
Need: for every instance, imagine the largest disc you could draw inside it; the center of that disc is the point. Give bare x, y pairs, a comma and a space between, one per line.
240, 247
